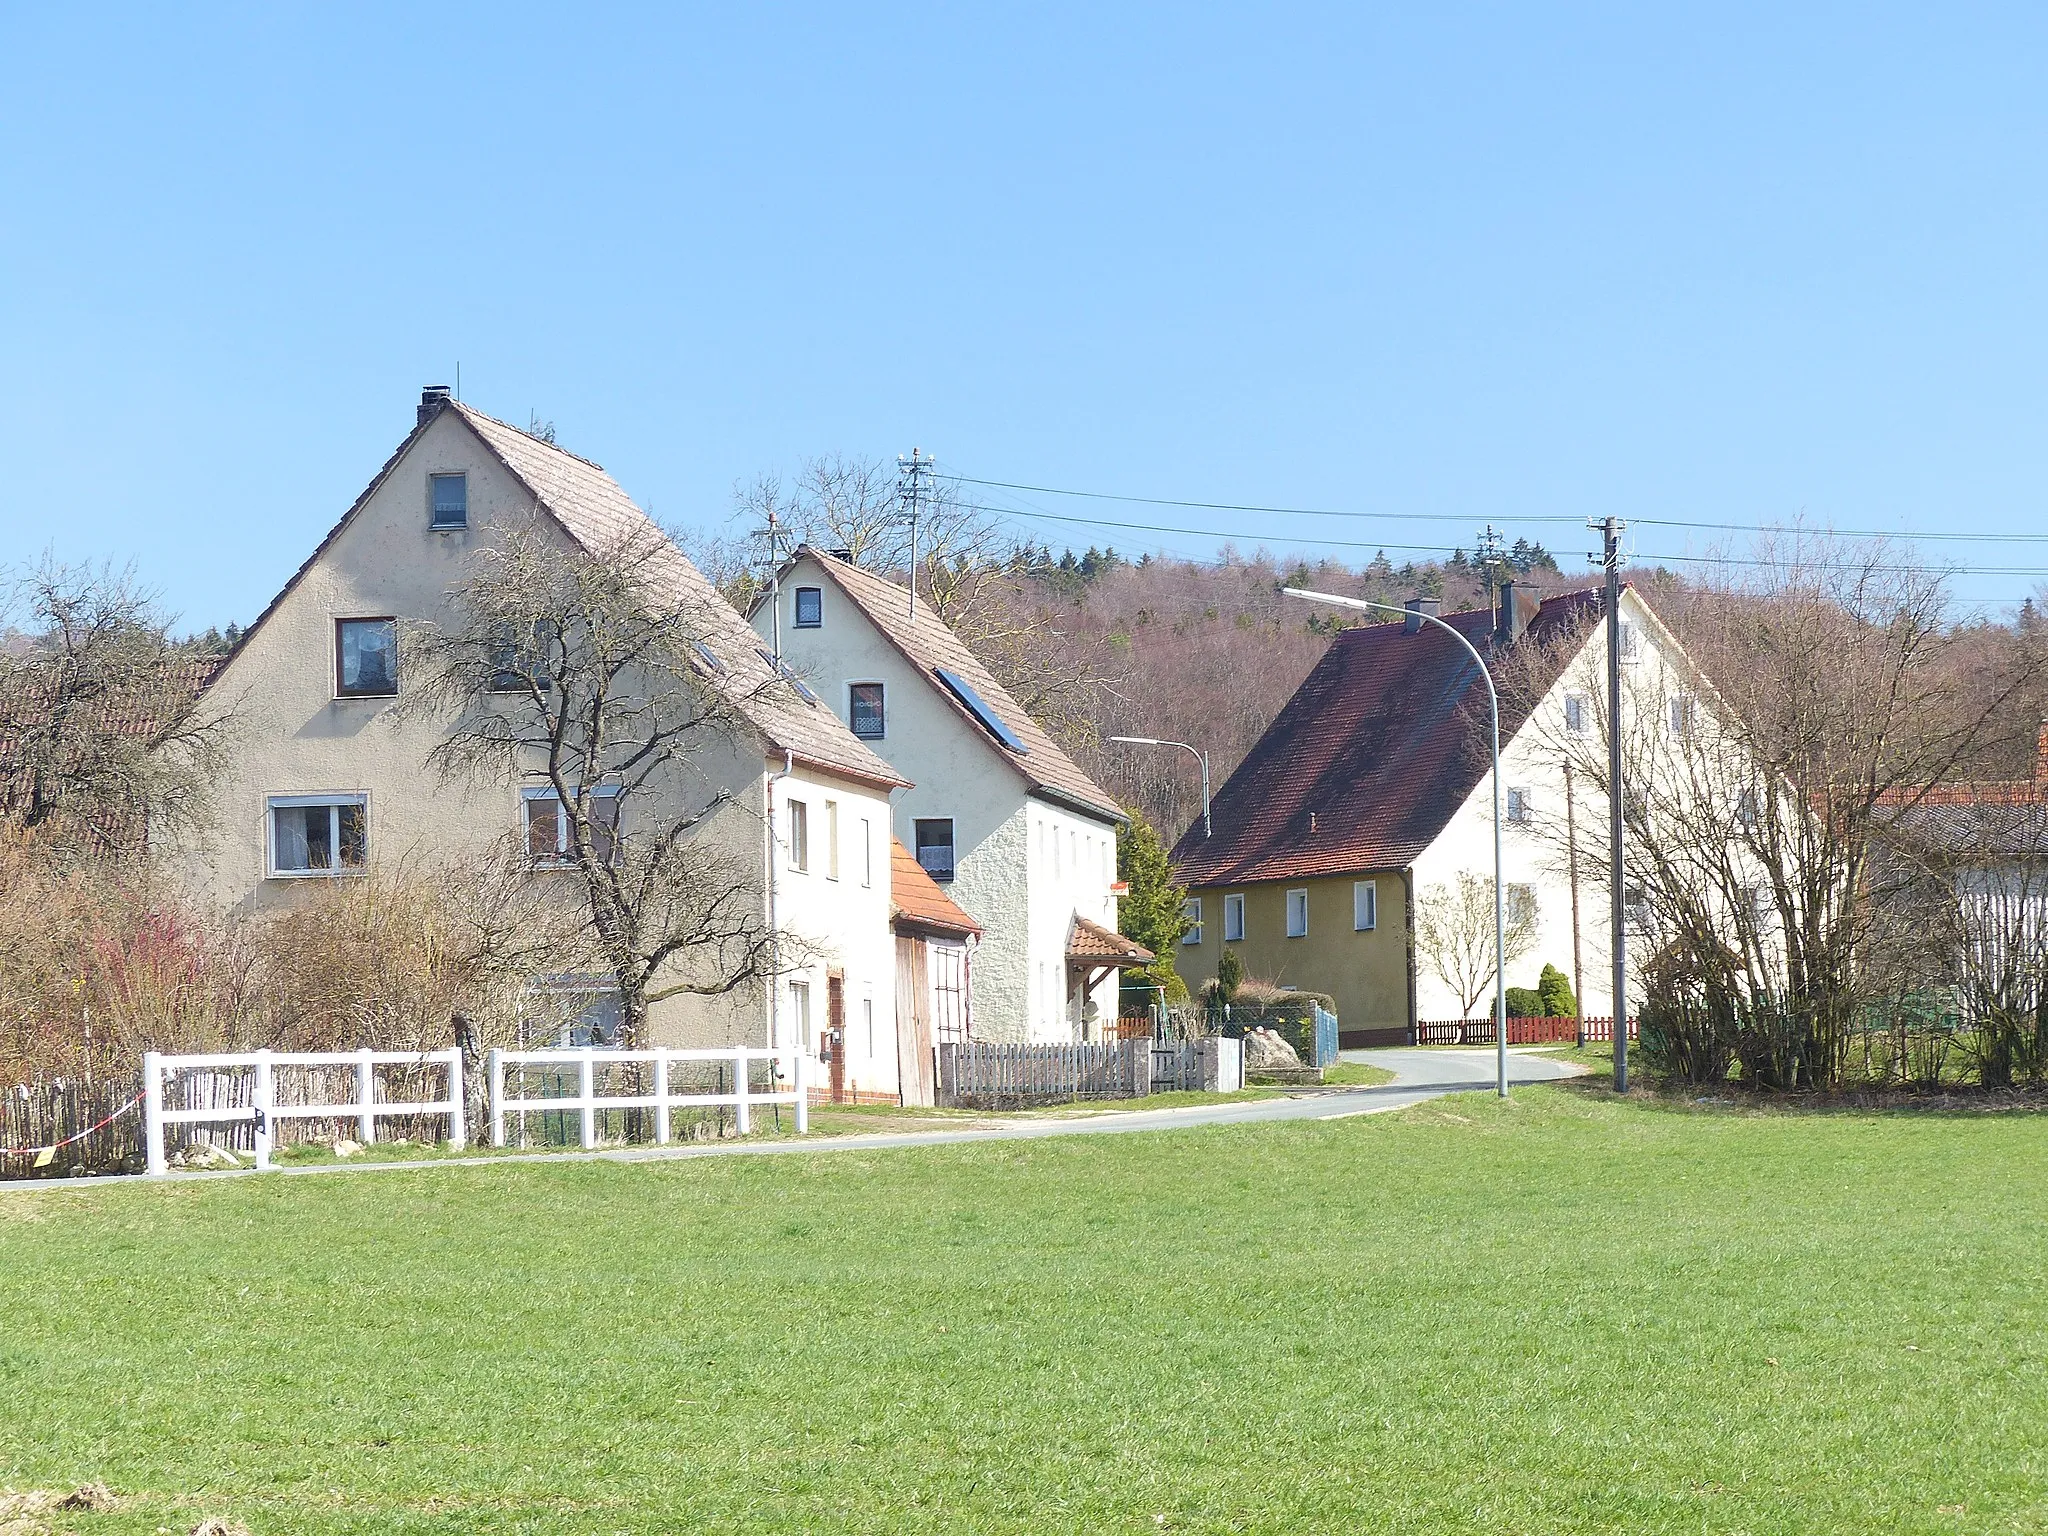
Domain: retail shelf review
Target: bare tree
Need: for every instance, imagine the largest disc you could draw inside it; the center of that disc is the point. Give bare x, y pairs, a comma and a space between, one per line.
99, 743
1811, 710
588, 677
1454, 935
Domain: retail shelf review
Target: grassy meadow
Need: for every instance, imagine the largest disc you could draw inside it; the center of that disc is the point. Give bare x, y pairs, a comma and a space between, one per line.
1559, 1314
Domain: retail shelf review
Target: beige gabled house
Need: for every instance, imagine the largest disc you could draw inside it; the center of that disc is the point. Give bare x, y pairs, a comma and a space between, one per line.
329, 780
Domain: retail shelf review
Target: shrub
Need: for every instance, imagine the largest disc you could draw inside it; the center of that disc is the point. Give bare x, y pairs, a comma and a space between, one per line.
1525, 1003
1687, 1039
1229, 976
1555, 989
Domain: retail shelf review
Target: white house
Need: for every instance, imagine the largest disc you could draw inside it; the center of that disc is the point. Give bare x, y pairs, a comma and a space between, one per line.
330, 781
1018, 835
1369, 798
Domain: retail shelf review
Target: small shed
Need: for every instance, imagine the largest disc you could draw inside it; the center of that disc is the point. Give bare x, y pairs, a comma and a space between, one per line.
935, 943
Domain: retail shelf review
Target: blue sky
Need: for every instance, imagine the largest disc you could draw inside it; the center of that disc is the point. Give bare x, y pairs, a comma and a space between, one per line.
1504, 264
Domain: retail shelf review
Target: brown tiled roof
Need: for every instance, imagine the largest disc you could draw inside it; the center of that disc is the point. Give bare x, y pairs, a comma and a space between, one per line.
917, 899
927, 644
592, 509
1099, 945
1377, 749
2033, 791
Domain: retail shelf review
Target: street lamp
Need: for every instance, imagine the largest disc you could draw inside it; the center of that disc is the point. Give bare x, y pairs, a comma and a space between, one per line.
1500, 970
1200, 757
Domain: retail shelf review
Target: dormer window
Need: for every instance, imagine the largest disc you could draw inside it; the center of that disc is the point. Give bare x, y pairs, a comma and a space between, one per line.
810, 608
449, 498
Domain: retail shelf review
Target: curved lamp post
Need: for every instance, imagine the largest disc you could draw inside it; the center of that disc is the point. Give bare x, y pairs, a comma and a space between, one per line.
1500, 977
1200, 757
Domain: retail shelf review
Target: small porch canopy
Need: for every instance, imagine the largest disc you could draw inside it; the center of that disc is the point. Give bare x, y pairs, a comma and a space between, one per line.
1093, 952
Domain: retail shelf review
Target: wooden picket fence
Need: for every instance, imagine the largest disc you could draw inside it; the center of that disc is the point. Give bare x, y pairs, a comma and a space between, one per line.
976, 1074
1520, 1031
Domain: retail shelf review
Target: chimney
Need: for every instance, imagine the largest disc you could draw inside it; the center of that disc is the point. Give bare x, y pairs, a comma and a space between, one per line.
1518, 604
1418, 606
432, 398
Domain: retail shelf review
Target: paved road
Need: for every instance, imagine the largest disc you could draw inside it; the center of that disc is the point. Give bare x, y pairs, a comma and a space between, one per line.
1419, 1075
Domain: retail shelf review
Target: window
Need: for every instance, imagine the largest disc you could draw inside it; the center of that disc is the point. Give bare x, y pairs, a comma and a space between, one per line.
520, 667
1682, 715
831, 839
319, 834
365, 657
1745, 810
1191, 912
867, 1025
799, 836
800, 1011
867, 852
1233, 919
1521, 904
864, 713
1578, 714
1365, 906
810, 608
783, 670
1518, 806
547, 827
1631, 641
1297, 914
934, 835
449, 498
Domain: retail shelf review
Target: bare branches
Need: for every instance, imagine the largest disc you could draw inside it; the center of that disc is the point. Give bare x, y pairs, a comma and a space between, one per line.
1454, 935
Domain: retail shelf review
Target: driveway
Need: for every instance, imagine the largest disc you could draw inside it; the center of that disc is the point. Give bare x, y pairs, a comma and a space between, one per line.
1419, 1075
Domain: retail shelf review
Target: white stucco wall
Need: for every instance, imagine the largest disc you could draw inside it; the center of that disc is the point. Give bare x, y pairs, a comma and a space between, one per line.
1536, 854
956, 771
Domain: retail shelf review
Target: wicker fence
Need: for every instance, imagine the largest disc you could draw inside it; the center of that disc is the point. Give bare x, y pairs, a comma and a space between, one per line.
49, 1115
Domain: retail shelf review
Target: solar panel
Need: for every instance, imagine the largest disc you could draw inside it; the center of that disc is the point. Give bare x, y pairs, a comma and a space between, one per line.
977, 706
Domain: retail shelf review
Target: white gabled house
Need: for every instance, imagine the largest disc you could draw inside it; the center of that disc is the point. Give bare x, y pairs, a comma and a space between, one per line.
996, 813
328, 781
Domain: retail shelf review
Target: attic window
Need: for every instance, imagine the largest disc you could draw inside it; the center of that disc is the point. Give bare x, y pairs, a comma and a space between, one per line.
978, 707
810, 608
450, 501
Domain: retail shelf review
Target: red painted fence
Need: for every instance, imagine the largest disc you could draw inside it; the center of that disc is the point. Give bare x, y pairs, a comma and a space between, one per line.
1520, 1031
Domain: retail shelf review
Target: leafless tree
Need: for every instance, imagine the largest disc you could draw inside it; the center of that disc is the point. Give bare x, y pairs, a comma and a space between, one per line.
581, 674
99, 743
1454, 935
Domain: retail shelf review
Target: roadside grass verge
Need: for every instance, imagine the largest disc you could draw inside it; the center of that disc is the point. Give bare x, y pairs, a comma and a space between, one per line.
1561, 1313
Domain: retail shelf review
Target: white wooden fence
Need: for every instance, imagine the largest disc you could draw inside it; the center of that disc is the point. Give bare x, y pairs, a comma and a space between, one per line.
262, 1108
587, 1102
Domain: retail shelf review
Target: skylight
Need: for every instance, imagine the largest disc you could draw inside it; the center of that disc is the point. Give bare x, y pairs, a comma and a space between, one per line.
708, 657
978, 707
802, 688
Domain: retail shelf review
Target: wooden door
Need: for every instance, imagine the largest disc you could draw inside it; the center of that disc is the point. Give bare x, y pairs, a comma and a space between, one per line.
915, 1075
835, 1031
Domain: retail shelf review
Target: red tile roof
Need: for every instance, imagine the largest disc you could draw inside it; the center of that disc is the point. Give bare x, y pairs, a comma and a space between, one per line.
1098, 945
1365, 765
918, 901
928, 645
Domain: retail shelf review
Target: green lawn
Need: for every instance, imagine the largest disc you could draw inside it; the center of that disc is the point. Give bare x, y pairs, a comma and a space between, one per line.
1559, 1314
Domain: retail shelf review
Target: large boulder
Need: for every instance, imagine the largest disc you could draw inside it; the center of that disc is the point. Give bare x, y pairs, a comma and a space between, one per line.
1266, 1051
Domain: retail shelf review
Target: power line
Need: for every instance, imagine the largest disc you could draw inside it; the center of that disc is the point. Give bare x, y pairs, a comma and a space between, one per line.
1449, 517
1435, 549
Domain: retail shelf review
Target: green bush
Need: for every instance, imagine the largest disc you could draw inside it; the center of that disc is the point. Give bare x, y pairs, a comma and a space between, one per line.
1525, 1003
1555, 988
1686, 1039
1229, 976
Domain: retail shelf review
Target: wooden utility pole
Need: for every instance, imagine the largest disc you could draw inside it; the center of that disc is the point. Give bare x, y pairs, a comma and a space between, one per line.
1610, 560
1571, 841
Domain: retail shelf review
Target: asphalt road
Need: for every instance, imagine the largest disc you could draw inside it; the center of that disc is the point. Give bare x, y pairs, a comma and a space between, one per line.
1419, 1075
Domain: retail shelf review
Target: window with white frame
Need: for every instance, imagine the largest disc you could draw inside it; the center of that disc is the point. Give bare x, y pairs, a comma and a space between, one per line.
799, 1021
1191, 913
1233, 919
831, 839
319, 834
1521, 904
1297, 914
799, 836
1518, 806
548, 825
1578, 714
1365, 905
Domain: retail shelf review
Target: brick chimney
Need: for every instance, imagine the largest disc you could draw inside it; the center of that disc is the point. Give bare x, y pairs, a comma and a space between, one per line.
1417, 607
1518, 604
432, 398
